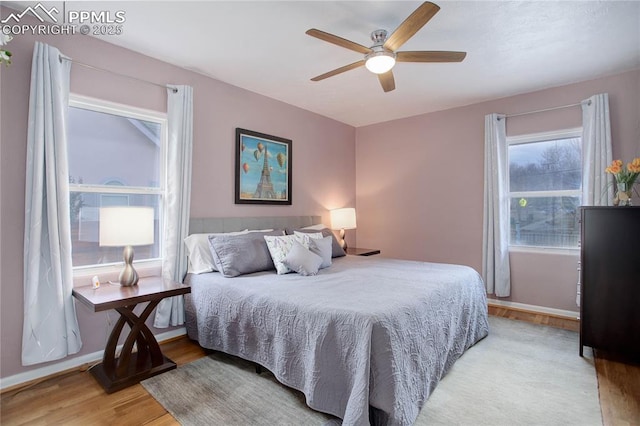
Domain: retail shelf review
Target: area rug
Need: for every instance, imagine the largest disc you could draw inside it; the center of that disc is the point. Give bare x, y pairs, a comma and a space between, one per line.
521, 374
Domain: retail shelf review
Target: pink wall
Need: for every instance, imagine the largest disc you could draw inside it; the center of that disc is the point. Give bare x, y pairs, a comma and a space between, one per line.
323, 157
419, 181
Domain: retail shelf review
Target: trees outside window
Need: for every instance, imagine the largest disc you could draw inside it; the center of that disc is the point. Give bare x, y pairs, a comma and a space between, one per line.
545, 178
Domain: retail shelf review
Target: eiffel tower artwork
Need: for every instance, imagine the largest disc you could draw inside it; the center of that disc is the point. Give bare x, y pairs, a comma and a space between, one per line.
265, 187
263, 168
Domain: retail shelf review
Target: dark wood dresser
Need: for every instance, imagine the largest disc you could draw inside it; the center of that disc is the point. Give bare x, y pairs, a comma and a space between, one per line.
610, 277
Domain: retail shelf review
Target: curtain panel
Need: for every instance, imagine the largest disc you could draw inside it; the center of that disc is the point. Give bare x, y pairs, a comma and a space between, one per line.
170, 311
496, 271
597, 185
50, 328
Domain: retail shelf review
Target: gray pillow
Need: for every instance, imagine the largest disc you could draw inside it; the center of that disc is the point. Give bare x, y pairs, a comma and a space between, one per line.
235, 255
322, 247
336, 250
301, 260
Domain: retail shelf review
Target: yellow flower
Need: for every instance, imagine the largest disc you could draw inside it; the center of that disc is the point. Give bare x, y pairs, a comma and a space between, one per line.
615, 168
627, 174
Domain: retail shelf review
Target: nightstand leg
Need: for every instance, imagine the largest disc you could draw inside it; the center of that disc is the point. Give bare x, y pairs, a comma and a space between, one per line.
149, 353
131, 367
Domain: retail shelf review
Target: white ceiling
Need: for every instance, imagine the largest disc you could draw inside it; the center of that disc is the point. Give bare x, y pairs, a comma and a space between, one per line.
512, 47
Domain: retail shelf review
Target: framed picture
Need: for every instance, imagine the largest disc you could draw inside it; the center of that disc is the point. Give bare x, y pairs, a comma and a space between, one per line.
263, 168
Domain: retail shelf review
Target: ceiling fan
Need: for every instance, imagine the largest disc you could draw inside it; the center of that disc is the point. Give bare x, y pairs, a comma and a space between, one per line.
382, 55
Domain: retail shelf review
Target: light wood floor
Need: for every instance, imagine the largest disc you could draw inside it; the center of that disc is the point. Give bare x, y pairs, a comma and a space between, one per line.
75, 398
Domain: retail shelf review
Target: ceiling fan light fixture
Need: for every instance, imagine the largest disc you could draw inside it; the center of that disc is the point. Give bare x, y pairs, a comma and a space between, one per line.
380, 62
381, 57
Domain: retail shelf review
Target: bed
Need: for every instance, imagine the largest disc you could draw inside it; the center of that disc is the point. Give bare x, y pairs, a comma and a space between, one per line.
366, 339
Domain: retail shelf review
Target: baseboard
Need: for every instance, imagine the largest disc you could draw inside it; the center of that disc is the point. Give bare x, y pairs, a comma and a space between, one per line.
22, 379
560, 313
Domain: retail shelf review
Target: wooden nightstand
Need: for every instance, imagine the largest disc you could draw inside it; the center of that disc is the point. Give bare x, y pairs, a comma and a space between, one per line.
131, 367
355, 251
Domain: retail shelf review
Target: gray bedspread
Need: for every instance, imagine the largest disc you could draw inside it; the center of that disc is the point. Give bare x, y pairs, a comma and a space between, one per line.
365, 332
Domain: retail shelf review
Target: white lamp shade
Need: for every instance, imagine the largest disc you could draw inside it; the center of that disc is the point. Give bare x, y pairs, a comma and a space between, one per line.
343, 218
126, 226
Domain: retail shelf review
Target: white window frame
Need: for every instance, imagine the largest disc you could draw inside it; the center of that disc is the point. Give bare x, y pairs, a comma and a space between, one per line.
126, 111
575, 132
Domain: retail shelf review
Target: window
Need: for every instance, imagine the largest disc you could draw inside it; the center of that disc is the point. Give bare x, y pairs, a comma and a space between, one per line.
545, 180
116, 158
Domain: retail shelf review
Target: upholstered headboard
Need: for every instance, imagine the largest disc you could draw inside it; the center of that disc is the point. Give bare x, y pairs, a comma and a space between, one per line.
229, 224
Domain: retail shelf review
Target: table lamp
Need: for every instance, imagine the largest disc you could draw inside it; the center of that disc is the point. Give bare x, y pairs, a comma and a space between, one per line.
126, 226
343, 219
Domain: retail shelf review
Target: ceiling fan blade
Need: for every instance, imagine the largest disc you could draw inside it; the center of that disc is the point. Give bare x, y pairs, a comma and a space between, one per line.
339, 70
387, 81
430, 56
342, 42
411, 25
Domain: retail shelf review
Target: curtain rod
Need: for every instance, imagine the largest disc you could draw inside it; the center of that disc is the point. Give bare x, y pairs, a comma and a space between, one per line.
544, 110
82, 64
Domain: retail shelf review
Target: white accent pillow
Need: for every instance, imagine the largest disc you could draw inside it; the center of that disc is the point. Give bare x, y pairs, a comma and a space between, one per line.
309, 234
301, 260
279, 247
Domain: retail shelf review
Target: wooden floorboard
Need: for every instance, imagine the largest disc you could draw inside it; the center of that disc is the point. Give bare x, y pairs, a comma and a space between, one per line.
619, 386
76, 398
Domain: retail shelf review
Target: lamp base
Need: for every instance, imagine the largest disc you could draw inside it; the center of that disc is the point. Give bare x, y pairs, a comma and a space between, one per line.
343, 242
128, 276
